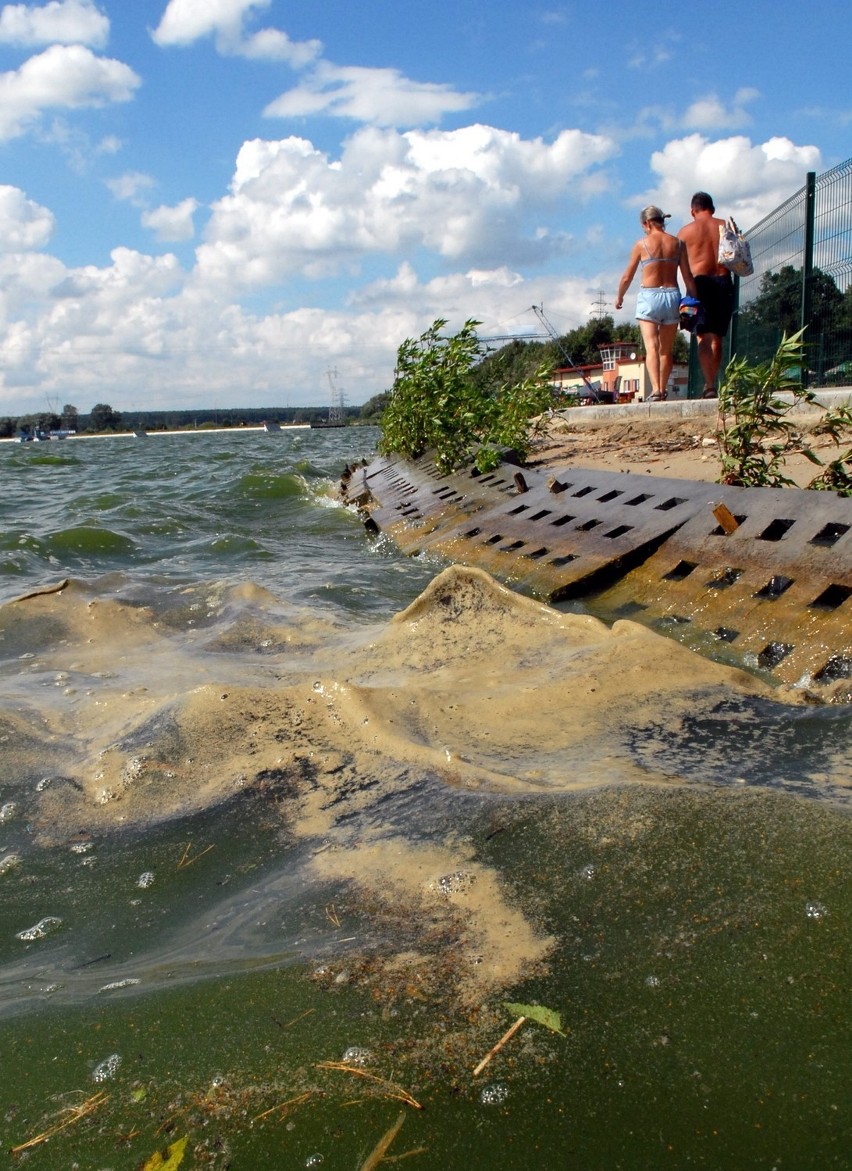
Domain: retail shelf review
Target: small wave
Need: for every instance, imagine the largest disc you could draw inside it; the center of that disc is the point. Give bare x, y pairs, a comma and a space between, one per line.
86, 540
263, 484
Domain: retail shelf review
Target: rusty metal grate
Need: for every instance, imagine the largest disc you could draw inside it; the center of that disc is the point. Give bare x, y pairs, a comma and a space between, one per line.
774, 581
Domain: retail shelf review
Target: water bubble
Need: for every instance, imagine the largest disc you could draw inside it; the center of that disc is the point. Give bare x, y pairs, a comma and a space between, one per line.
44, 927
588, 872
495, 1094
81, 847
450, 884
815, 910
43, 784
652, 981
7, 811
116, 984
314, 1160
355, 1055
9, 862
105, 1070
145, 879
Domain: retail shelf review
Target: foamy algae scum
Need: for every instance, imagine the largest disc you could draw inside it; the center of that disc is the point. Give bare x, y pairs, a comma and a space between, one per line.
294, 861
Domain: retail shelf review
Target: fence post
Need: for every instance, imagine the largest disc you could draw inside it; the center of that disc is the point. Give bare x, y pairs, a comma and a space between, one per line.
808, 262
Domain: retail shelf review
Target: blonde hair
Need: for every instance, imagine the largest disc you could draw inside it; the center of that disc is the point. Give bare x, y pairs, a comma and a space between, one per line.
653, 215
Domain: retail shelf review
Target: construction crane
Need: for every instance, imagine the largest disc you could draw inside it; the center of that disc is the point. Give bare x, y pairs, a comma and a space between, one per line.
538, 310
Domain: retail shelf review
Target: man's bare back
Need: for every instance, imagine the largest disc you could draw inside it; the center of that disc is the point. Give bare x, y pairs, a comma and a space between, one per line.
701, 238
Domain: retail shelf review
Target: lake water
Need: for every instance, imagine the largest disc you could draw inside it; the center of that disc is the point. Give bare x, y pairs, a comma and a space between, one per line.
293, 829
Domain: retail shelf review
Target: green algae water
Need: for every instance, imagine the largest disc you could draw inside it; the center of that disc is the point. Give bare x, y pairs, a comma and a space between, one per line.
288, 822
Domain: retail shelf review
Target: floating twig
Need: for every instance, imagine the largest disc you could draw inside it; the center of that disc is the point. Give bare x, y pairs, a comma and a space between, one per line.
298, 1018
75, 1114
331, 915
391, 1089
378, 1152
185, 858
284, 1105
507, 1036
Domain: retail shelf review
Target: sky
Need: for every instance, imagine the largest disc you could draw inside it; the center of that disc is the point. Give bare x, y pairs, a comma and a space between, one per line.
223, 203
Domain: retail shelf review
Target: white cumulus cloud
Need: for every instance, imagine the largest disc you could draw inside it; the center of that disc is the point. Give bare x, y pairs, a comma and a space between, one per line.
710, 113
187, 21
63, 77
380, 97
747, 180
475, 194
61, 22
172, 223
24, 224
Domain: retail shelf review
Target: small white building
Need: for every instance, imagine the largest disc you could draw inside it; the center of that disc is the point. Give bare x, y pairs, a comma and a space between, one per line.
620, 376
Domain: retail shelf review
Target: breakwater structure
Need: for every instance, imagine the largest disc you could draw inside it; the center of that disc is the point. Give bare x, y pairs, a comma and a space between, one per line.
766, 572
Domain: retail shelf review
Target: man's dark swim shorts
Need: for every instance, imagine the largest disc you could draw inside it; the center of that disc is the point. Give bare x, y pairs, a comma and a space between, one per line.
716, 294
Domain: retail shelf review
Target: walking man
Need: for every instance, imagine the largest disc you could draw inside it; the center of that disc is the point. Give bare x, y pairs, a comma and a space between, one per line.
714, 283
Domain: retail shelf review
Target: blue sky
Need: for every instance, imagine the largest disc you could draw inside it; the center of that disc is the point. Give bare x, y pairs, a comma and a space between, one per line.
214, 202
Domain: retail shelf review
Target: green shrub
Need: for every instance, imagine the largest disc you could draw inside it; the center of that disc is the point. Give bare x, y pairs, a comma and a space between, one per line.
757, 431
437, 405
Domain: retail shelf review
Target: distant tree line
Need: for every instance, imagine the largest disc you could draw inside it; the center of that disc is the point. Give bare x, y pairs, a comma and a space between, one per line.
102, 418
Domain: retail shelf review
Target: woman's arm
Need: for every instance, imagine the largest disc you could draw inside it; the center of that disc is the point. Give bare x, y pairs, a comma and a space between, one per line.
628, 275
686, 272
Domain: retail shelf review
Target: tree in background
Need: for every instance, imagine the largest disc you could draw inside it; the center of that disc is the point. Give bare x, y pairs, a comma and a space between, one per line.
103, 418
776, 312
70, 418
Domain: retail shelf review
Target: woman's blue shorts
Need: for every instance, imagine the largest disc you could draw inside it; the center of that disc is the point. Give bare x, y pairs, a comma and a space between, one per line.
662, 306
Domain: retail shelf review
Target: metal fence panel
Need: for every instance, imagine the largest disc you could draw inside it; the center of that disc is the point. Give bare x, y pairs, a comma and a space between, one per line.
802, 255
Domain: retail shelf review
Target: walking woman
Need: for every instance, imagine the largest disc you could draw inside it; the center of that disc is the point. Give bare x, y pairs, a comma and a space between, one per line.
660, 256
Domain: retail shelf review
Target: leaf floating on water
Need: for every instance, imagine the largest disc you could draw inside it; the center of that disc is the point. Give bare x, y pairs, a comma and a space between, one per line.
537, 1012
170, 1159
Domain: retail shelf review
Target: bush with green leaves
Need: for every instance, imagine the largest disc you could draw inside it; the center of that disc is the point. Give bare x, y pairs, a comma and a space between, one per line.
437, 405
758, 429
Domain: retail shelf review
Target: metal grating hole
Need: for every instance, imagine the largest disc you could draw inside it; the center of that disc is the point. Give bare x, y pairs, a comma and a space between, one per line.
727, 577
511, 548
540, 515
777, 530
538, 554
726, 634
607, 496
486, 479
628, 608
682, 570
837, 667
587, 526
516, 511
830, 534
672, 502
720, 532
563, 520
772, 654
493, 540
473, 532
831, 597
557, 561
640, 499
583, 492
619, 531
775, 587
675, 620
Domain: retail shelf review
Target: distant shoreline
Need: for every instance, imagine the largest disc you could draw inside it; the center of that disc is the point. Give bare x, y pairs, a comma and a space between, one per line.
154, 434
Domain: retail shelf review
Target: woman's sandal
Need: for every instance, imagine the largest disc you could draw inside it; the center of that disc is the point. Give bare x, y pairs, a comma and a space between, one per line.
710, 392
657, 398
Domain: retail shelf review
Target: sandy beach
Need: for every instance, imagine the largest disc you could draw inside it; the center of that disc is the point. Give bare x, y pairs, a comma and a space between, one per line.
655, 440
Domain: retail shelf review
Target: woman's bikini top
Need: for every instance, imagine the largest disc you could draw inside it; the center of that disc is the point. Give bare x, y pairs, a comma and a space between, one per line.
649, 259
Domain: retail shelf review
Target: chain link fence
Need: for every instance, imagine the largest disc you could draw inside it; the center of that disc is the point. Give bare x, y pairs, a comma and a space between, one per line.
802, 255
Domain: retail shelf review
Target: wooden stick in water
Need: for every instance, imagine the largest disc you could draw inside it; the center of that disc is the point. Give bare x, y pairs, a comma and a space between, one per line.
507, 1036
